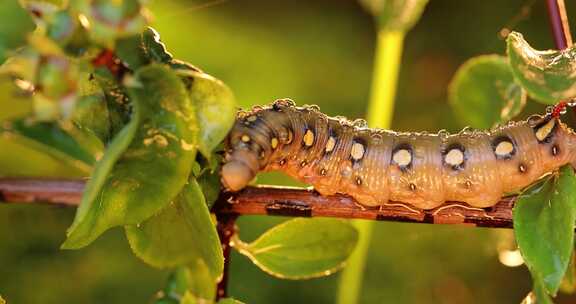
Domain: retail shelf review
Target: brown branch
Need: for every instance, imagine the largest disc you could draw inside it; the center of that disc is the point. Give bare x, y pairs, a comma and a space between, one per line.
226, 229
282, 201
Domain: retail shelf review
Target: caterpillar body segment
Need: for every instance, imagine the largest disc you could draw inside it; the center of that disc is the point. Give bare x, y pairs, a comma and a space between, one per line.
375, 166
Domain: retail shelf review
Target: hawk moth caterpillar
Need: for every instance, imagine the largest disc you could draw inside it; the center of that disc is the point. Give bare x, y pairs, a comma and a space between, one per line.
375, 166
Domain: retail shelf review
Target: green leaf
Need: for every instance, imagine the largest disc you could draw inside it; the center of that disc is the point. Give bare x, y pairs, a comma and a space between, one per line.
548, 76
483, 92
209, 178
130, 186
395, 15
216, 108
302, 248
91, 114
179, 234
544, 218
49, 138
139, 50
17, 24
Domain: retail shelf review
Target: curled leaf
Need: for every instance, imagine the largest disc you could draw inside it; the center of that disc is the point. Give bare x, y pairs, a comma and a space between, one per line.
548, 76
140, 173
302, 248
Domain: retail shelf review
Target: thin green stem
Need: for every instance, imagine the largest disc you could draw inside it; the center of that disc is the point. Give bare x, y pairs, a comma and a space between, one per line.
380, 109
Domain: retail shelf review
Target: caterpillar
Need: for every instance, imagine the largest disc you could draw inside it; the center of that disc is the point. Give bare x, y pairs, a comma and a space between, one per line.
375, 166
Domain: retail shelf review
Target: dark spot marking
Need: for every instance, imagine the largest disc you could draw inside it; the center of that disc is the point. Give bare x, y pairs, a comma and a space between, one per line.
447, 151
407, 147
555, 150
522, 168
282, 162
412, 187
496, 145
303, 164
358, 181
323, 172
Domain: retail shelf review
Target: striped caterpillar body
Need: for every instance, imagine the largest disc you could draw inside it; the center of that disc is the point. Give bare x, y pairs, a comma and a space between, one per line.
375, 166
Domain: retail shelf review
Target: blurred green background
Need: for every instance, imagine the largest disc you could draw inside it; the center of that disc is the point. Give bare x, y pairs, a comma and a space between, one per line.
315, 52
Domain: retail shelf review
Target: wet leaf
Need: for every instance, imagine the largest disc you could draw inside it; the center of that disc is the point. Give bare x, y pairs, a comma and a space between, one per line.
139, 50
548, 76
17, 24
49, 138
483, 92
544, 218
216, 108
179, 234
302, 248
395, 15
129, 186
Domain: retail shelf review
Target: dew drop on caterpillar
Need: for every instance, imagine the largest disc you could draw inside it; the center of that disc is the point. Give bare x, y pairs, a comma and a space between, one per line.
336, 155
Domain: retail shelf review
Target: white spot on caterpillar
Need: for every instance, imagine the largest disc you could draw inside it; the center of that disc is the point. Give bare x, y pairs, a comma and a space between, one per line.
330, 144
357, 151
402, 158
544, 131
504, 149
454, 157
308, 138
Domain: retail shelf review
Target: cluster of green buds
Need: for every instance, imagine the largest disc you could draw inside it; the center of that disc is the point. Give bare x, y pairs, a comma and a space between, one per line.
68, 40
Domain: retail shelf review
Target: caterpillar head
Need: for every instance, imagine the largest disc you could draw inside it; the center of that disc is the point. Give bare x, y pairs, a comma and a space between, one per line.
248, 146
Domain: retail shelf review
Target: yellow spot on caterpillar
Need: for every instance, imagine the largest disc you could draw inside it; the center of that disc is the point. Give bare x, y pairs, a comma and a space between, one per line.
357, 151
454, 157
504, 148
308, 138
402, 158
545, 130
245, 138
274, 142
330, 144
